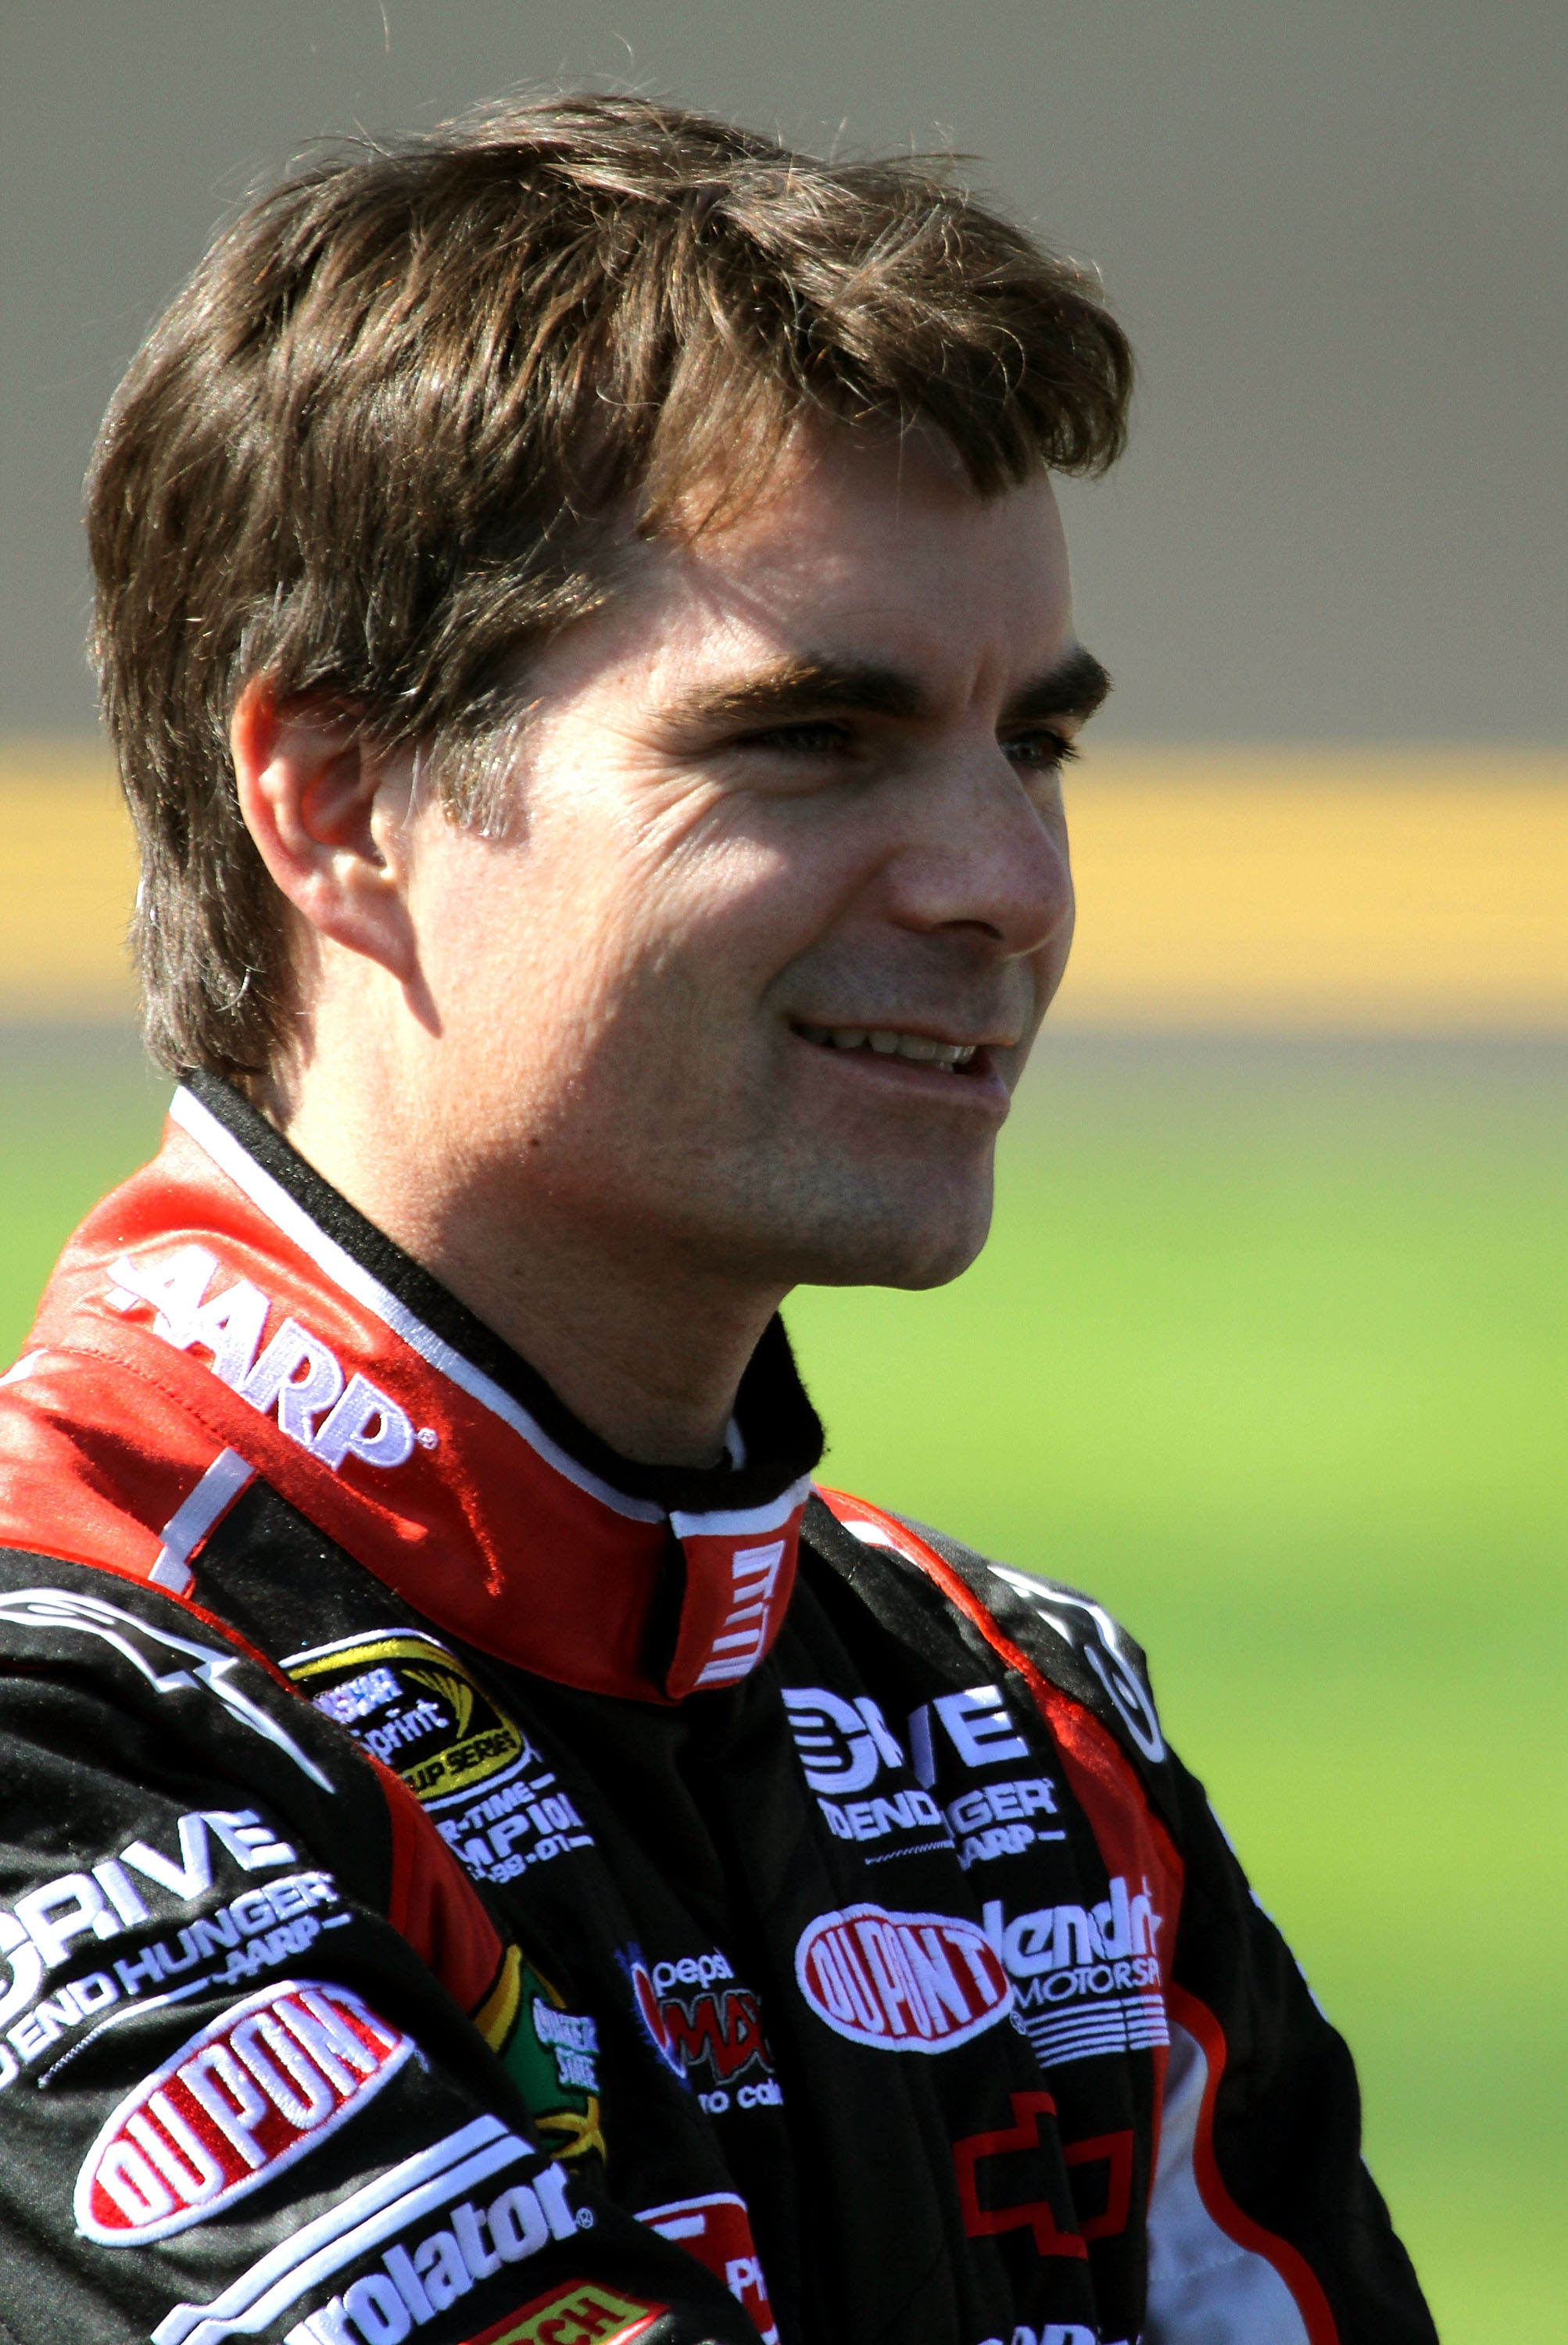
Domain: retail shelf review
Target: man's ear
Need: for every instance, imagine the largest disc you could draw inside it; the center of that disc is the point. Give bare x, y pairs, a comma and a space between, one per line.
327, 811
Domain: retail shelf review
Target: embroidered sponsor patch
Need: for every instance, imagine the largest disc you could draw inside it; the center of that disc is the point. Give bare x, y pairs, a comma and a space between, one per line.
297, 1375
583, 2312
843, 1745
419, 2278
421, 2235
420, 1709
551, 2054
247, 2096
713, 2037
66, 1917
847, 1749
266, 1928
903, 1982
650, 2011
716, 2230
416, 1707
995, 1820
1089, 1979
1054, 2232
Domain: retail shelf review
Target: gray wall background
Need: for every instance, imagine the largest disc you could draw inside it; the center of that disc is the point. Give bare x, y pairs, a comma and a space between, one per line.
1335, 229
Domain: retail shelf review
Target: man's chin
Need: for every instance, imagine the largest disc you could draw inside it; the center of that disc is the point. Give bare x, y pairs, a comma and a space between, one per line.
904, 1256
887, 1224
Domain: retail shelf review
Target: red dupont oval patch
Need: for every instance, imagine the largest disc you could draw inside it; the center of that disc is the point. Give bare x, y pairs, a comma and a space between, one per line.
266, 2082
904, 1982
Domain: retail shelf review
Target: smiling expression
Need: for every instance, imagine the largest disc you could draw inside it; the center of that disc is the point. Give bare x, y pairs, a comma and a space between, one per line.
748, 979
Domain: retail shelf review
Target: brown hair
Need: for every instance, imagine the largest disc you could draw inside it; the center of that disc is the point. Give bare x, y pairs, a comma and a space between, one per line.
390, 432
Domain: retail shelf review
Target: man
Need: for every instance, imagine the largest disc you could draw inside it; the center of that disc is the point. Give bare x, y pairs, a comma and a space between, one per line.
585, 626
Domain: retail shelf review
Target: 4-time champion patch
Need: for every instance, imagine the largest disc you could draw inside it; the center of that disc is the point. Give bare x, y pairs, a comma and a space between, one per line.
416, 1707
420, 1709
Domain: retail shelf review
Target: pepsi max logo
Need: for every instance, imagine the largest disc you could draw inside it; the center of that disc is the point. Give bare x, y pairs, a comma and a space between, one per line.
255, 2090
903, 1982
650, 2011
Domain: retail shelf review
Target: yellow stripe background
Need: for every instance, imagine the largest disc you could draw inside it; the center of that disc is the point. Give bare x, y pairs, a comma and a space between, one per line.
1388, 891
1396, 891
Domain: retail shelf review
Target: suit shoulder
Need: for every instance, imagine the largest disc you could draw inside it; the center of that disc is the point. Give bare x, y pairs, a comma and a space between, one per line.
1066, 1636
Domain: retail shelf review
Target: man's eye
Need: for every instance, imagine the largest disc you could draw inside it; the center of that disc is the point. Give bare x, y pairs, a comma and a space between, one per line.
818, 740
1041, 751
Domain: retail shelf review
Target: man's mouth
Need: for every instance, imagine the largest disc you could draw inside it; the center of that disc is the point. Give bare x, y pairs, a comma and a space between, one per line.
887, 1042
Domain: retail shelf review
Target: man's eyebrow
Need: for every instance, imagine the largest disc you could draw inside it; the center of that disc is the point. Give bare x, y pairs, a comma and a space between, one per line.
809, 684
1074, 687
802, 686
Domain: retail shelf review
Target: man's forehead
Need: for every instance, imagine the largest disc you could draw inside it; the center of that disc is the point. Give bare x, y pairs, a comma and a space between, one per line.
874, 568
841, 495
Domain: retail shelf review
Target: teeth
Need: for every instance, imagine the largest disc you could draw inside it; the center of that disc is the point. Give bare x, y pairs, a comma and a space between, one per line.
890, 1044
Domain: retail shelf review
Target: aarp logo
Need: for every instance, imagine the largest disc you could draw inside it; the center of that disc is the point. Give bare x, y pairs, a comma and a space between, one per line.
295, 1375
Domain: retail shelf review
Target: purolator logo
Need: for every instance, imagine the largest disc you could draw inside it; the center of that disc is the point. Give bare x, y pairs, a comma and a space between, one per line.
255, 2090
903, 1982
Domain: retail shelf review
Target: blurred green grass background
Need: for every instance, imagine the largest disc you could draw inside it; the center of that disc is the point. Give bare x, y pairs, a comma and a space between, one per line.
1269, 1350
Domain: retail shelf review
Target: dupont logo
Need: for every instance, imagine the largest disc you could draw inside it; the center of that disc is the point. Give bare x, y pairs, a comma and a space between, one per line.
274, 2076
904, 1982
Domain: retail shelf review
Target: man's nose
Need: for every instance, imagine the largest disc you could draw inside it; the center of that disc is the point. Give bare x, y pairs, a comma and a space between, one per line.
986, 850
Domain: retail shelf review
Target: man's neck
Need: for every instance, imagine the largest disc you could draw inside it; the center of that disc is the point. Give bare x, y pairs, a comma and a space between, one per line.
647, 1349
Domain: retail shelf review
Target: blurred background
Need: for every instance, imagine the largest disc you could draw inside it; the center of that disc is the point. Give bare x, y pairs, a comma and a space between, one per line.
1269, 1348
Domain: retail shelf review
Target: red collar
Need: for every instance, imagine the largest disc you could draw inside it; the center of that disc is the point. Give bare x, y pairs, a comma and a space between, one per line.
226, 1314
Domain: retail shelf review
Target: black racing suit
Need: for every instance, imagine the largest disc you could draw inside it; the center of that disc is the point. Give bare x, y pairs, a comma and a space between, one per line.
459, 1884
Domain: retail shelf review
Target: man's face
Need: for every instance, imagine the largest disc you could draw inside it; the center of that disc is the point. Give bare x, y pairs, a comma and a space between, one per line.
746, 984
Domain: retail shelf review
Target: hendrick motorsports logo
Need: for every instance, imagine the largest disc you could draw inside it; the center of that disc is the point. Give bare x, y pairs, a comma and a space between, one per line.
903, 1982
255, 2090
1089, 1979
